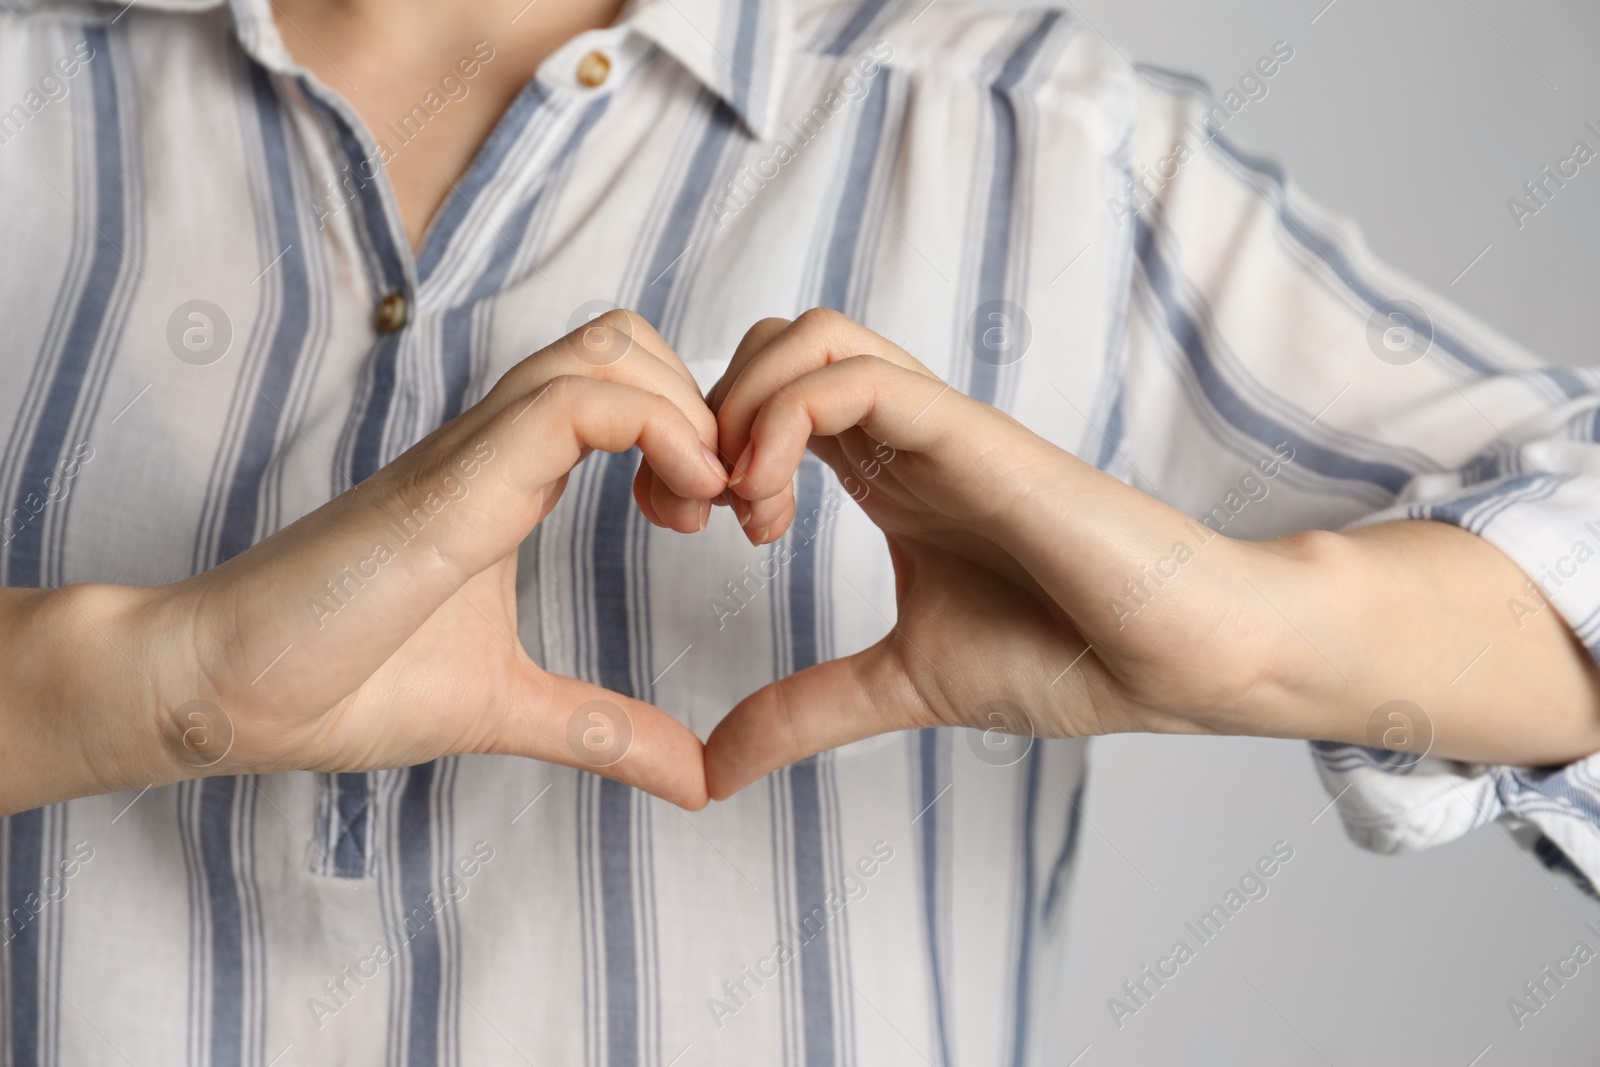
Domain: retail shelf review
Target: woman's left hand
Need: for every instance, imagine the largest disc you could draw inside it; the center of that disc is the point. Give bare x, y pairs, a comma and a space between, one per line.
1013, 561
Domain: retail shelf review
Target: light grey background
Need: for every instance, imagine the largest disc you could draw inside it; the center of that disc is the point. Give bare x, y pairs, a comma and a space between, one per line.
1417, 121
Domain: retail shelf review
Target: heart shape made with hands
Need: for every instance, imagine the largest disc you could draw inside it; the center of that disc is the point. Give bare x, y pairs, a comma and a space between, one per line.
988, 526
945, 472
1019, 572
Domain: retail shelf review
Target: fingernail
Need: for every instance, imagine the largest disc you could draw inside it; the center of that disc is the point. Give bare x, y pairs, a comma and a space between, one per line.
758, 537
714, 461
742, 466
705, 514
723, 499
742, 509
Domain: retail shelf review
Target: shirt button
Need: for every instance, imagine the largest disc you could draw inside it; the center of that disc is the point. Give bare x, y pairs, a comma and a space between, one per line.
593, 69
392, 310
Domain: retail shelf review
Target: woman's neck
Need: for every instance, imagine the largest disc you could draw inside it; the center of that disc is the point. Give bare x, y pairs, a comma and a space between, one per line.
391, 59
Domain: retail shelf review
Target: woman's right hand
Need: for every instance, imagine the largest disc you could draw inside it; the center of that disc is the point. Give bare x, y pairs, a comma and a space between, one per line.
381, 629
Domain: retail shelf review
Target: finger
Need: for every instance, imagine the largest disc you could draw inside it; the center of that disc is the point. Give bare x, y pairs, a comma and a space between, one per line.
607, 341
642, 482
623, 334
581, 414
620, 347
400, 544
888, 402
755, 339
810, 711
664, 508
638, 328
760, 519
816, 339
595, 729
676, 512
764, 521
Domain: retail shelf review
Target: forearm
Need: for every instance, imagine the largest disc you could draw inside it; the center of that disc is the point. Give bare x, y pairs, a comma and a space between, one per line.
1304, 636
79, 695
1418, 611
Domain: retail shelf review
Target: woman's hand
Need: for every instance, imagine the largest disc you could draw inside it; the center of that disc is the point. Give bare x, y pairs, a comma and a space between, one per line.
1008, 555
1037, 595
381, 629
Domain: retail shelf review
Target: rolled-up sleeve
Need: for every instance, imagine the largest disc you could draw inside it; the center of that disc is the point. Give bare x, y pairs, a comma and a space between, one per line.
1277, 378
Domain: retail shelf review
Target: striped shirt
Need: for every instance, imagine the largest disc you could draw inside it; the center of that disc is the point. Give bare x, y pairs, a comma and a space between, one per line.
203, 342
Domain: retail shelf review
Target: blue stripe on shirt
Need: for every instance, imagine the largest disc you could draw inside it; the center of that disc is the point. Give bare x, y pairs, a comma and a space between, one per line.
693, 194
932, 785
243, 503
1026, 875
1296, 226
842, 248
1227, 401
1000, 214
485, 167
416, 861
224, 915
106, 267
24, 835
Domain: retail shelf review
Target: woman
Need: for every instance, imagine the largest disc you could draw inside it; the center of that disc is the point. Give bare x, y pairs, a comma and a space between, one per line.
316, 611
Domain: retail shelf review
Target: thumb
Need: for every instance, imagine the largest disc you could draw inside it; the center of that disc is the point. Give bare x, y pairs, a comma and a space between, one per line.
810, 711
596, 729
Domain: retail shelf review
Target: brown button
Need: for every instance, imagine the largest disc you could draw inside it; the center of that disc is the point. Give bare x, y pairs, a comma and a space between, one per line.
392, 311
593, 69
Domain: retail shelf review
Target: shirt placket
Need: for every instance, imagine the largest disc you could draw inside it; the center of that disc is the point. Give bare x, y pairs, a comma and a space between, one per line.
398, 398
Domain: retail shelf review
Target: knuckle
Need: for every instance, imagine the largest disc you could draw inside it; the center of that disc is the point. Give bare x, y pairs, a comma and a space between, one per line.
821, 319
664, 409
791, 394
620, 320
788, 722
516, 378
628, 319
414, 482
564, 392
763, 331
614, 318
638, 328
529, 365
661, 415
781, 407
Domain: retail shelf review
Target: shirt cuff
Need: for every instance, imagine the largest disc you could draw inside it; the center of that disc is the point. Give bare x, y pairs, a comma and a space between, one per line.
1542, 508
1391, 805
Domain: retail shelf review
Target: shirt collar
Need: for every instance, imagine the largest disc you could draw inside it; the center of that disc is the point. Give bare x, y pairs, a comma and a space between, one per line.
737, 49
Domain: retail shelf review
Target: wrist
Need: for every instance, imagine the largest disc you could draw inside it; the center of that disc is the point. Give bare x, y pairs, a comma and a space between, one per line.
1199, 631
1311, 592
80, 712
